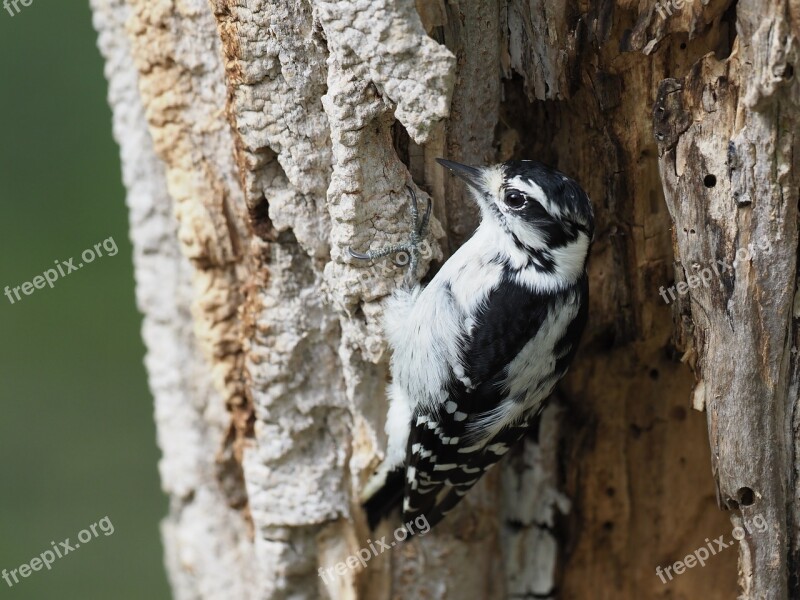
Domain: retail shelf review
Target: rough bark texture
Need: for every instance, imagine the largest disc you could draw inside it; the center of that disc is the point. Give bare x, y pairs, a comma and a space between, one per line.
729, 142
261, 138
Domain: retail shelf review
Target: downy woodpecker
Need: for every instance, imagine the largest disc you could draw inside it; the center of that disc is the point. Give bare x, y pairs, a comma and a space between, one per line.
477, 351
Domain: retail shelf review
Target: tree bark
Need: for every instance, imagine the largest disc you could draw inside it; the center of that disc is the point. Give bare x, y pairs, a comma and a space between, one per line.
260, 139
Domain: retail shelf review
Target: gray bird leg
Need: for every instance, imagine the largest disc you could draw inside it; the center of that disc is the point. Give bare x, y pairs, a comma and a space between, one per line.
419, 229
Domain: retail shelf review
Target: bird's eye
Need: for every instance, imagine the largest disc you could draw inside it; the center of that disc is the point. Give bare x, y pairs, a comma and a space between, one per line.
515, 199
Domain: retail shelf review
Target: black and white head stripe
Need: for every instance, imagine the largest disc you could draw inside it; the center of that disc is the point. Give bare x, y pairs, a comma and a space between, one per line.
549, 189
539, 206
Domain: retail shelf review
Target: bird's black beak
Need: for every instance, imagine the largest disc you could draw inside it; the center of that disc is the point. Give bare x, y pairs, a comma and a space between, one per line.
472, 175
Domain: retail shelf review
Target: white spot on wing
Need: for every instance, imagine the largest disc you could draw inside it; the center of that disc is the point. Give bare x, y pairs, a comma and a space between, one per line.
445, 467
498, 448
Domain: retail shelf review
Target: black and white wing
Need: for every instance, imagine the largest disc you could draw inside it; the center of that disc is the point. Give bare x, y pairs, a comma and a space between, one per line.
451, 446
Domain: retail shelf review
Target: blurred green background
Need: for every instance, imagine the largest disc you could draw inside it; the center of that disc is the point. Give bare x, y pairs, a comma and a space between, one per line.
77, 439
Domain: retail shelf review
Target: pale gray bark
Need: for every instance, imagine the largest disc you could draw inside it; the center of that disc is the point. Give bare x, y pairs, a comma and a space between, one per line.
208, 552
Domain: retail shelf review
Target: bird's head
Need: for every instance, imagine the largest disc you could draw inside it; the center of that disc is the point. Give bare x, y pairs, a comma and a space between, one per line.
540, 207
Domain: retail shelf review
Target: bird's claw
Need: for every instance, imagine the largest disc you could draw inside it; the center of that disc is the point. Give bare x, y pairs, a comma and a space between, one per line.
419, 230
358, 255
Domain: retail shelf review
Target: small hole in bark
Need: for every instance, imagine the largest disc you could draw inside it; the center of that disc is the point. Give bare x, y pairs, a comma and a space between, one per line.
608, 526
691, 231
788, 72
653, 374
678, 413
606, 338
358, 313
710, 180
260, 221
610, 492
746, 496
683, 45
400, 139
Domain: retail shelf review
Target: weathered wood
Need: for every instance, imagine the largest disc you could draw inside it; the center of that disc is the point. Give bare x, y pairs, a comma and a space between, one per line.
260, 139
729, 134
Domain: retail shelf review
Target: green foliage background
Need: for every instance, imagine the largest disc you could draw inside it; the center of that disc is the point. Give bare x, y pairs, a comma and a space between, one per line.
77, 440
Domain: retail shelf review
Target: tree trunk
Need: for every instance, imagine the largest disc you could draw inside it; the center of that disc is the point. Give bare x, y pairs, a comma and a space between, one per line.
260, 139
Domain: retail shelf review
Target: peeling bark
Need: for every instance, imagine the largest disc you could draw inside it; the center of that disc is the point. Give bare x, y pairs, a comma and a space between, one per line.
730, 150
260, 139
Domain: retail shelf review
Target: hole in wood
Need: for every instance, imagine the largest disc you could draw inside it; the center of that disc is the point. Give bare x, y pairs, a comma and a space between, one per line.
678, 413
746, 496
710, 180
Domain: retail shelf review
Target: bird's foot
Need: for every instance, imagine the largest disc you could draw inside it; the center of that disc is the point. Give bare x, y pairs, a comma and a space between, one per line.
410, 251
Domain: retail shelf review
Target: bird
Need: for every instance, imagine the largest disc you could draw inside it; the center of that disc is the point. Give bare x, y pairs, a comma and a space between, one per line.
477, 351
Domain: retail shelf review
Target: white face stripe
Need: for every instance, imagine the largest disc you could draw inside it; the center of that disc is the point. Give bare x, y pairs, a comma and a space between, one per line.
493, 180
533, 190
527, 233
494, 192
492, 185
